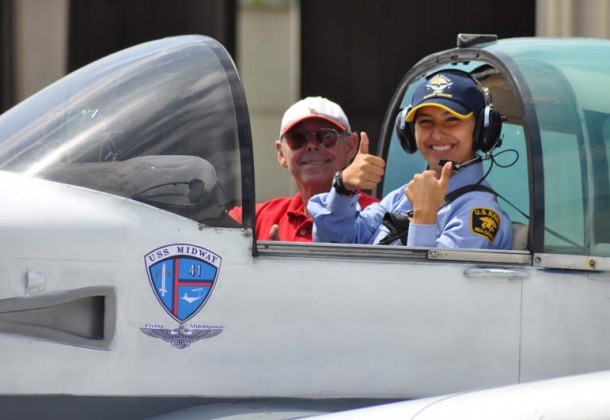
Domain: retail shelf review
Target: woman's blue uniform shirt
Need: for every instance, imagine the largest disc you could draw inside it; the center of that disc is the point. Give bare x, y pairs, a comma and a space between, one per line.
473, 220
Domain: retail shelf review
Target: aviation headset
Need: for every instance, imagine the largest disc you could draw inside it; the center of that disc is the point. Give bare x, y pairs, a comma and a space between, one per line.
487, 129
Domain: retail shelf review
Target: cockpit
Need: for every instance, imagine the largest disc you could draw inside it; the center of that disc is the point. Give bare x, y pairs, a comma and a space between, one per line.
551, 170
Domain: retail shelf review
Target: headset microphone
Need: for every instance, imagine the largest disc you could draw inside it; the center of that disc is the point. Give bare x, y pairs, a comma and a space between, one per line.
459, 166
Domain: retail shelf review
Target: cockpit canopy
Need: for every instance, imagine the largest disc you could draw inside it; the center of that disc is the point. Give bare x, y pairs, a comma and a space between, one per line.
553, 166
164, 123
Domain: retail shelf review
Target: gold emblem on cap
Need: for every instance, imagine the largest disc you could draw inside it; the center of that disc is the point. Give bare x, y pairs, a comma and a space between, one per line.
439, 83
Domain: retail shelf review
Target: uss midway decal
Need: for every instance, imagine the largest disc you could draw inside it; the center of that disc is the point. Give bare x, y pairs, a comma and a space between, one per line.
182, 278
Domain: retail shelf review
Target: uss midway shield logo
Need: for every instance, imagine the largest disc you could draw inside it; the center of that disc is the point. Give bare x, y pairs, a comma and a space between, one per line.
182, 278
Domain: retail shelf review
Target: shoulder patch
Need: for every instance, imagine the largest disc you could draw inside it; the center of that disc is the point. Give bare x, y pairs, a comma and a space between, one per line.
484, 222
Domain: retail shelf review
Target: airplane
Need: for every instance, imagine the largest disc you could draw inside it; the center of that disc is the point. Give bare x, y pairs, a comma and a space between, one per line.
582, 397
133, 161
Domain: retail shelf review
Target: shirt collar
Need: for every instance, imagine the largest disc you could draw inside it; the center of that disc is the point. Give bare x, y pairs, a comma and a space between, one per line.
296, 208
469, 175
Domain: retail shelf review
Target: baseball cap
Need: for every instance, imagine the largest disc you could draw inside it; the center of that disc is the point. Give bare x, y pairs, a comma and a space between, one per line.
451, 91
314, 107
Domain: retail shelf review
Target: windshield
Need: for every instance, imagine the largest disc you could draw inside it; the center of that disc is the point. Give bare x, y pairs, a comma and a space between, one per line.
568, 83
164, 123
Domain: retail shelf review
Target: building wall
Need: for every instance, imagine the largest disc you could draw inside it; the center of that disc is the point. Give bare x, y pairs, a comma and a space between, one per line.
589, 18
41, 42
269, 68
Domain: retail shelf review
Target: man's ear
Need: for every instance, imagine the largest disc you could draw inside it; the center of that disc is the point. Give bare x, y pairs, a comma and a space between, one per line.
279, 149
352, 146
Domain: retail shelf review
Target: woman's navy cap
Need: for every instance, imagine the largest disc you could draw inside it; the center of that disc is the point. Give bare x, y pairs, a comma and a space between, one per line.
453, 92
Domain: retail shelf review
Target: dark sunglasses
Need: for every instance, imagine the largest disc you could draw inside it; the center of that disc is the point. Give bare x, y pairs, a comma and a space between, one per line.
326, 137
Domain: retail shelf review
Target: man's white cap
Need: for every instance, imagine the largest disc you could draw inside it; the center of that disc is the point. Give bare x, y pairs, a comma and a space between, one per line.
314, 107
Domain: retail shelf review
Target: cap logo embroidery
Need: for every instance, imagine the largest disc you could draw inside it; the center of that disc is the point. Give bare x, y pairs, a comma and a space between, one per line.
439, 84
484, 222
312, 110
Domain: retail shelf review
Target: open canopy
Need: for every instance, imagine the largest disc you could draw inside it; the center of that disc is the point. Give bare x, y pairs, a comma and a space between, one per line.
163, 122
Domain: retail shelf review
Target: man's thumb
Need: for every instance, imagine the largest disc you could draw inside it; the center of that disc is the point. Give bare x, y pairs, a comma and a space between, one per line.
364, 144
274, 233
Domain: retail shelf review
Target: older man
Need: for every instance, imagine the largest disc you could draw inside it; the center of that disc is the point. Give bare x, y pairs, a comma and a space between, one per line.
315, 144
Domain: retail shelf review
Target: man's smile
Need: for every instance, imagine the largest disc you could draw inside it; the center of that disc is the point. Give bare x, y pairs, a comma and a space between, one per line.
315, 161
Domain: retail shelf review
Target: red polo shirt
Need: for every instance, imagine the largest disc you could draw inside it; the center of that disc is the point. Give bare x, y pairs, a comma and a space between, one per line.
289, 214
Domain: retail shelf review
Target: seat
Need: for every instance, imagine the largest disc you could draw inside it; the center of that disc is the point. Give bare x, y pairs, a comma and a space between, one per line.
519, 236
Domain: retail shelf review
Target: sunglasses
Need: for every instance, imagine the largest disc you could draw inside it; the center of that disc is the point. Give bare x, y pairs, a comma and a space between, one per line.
326, 137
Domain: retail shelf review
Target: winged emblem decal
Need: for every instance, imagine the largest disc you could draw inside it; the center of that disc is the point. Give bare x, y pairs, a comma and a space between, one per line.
182, 337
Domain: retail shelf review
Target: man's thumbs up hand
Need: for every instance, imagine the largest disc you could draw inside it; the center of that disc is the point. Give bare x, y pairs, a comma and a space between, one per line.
366, 171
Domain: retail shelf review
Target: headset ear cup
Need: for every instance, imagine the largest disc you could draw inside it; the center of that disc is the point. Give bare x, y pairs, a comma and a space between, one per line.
404, 132
487, 129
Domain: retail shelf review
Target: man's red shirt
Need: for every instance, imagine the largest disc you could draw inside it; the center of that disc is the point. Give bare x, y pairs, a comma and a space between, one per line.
289, 214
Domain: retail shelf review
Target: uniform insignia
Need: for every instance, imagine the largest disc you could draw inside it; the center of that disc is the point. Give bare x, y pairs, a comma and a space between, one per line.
182, 278
484, 222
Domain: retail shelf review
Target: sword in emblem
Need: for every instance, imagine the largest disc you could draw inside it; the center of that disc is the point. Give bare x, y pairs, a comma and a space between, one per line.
163, 290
